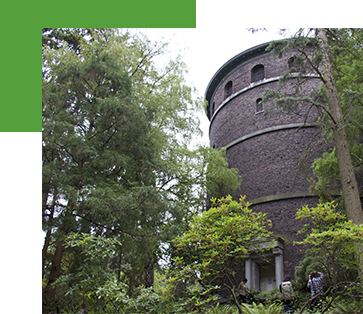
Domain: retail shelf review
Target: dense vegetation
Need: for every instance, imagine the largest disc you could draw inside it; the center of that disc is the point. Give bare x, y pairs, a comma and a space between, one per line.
127, 225
120, 175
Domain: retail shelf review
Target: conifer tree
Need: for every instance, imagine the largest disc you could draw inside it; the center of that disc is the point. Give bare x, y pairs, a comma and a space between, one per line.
116, 159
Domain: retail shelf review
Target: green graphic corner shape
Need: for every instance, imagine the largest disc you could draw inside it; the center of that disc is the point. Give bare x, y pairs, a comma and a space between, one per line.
20, 119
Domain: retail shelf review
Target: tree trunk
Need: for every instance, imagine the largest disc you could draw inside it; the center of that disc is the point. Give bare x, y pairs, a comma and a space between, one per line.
149, 271
232, 290
48, 291
347, 176
49, 232
352, 200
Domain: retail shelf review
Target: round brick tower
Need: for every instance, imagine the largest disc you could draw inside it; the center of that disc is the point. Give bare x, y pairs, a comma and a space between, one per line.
266, 146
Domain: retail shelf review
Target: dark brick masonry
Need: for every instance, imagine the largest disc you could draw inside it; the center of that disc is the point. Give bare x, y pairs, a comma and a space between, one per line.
266, 148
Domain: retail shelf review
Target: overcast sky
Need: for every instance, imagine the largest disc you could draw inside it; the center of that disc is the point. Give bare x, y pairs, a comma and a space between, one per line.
221, 33
221, 36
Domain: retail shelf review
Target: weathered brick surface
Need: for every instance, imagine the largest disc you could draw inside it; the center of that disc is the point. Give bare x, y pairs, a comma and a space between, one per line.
268, 163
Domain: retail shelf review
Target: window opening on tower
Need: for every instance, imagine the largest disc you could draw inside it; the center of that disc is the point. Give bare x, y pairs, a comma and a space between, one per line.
257, 73
259, 107
228, 89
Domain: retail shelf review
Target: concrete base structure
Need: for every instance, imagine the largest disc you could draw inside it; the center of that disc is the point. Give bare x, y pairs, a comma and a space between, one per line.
266, 271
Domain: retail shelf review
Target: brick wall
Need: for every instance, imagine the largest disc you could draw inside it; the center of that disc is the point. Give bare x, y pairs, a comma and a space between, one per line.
269, 160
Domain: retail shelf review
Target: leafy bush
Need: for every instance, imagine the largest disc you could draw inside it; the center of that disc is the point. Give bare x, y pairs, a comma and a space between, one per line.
268, 297
216, 242
334, 241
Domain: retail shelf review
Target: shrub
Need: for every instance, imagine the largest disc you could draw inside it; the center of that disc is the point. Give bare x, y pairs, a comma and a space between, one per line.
268, 297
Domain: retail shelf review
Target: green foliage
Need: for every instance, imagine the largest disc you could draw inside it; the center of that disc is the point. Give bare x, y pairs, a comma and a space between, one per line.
268, 297
165, 296
117, 156
218, 239
326, 169
347, 308
262, 309
347, 56
57, 38
95, 278
95, 283
334, 239
224, 233
345, 52
348, 64
220, 179
222, 309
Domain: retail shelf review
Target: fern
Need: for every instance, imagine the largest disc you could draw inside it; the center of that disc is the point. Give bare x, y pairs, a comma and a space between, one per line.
261, 309
224, 309
347, 308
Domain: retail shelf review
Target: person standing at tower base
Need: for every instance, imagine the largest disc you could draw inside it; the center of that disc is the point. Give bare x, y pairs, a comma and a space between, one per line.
315, 284
242, 291
288, 294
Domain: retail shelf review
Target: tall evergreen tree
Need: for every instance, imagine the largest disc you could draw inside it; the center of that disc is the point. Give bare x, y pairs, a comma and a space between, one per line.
347, 176
116, 163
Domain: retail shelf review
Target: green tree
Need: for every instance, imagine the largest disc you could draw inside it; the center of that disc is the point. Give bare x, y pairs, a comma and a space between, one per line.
334, 242
346, 171
217, 240
116, 162
57, 38
332, 238
347, 62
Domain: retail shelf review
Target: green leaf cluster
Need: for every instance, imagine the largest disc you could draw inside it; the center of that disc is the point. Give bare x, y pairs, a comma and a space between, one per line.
326, 170
333, 240
261, 309
217, 240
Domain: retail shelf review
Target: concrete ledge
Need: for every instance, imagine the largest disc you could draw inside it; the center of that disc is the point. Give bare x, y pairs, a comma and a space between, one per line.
252, 86
279, 197
271, 129
243, 90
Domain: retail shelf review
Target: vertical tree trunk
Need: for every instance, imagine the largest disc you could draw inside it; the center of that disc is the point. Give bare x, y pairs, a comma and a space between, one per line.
149, 271
49, 232
48, 291
349, 184
352, 200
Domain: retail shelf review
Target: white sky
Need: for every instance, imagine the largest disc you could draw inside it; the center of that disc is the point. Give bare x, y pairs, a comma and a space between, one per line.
21, 239
214, 41
221, 36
